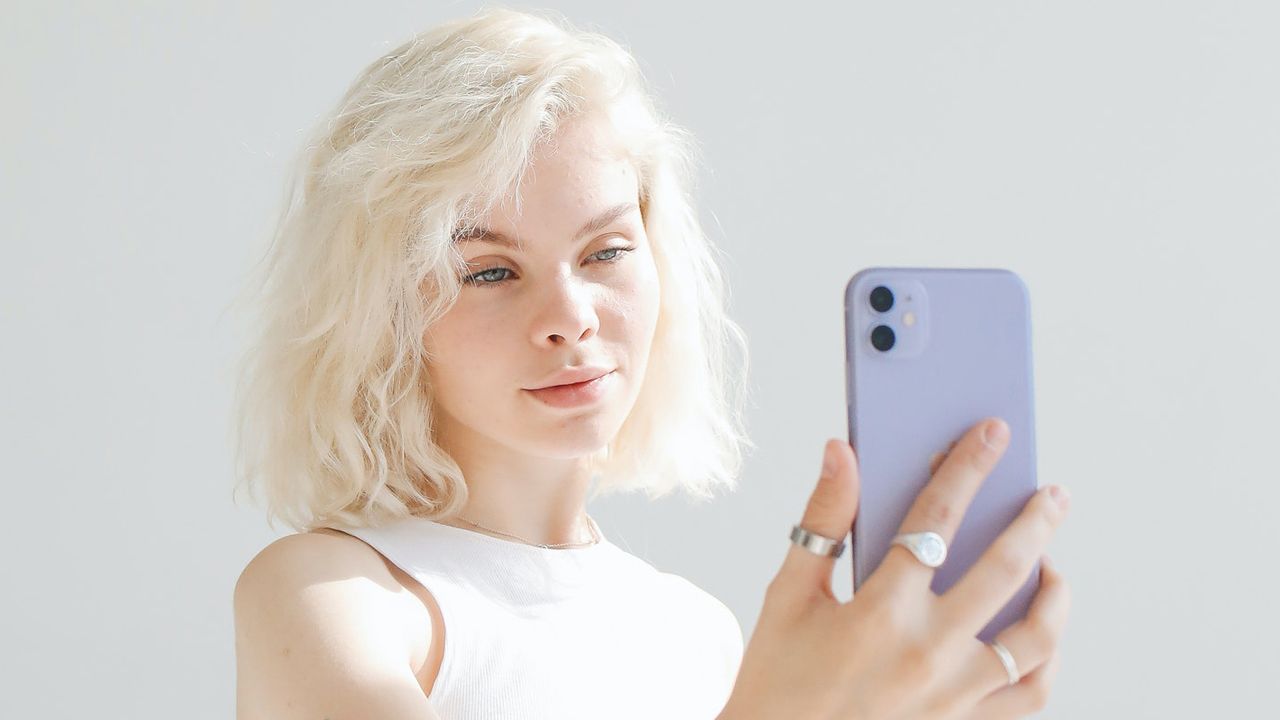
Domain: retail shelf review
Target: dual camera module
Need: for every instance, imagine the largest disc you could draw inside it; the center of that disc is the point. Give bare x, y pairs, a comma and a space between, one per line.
882, 336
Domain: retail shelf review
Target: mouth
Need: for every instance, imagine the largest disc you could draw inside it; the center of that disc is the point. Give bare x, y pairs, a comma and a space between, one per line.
576, 394
575, 384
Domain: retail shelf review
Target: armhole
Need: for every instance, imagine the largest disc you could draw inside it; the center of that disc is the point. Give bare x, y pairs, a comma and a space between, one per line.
446, 652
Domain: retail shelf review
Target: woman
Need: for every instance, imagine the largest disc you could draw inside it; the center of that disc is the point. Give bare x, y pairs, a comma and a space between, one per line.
492, 294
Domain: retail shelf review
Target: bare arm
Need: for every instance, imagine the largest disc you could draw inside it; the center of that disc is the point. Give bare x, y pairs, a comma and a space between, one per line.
319, 634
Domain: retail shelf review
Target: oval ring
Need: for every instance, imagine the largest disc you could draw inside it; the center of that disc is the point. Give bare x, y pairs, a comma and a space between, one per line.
928, 547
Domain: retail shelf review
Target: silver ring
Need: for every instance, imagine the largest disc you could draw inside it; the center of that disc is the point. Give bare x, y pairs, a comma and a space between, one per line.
1006, 659
817, 544
928, 547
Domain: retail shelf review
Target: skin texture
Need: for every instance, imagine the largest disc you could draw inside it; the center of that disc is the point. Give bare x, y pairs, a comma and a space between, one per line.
897, 649
559, 301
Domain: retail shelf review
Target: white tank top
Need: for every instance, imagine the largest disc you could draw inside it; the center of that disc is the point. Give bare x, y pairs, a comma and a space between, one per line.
570, 633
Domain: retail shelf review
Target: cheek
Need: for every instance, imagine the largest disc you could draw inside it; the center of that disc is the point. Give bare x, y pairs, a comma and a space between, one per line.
466, 349
640, 299
468, 329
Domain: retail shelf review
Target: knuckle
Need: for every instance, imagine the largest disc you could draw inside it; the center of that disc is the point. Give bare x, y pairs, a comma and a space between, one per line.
978, 459
772, 588
920, 663
1008, 560
1060, 590
825, 502
771, 598
981, 456
776, 590
1043, 527
884, 609
937, 509
784, 602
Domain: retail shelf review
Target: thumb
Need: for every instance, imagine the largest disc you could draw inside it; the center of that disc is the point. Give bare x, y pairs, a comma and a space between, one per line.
830, 513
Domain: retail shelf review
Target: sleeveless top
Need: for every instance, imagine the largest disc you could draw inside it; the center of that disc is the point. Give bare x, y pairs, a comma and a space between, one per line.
568, 633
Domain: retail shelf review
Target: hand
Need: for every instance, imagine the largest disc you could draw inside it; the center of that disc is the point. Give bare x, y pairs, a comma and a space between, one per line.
897, 649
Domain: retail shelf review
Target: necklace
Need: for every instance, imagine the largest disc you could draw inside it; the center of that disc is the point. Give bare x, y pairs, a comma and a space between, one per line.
591, 523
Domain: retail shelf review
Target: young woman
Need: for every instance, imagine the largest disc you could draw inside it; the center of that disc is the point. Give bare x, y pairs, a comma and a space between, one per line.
489, 301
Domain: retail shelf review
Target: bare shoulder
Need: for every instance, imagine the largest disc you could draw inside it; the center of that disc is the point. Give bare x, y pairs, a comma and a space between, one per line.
315, 557
322, 630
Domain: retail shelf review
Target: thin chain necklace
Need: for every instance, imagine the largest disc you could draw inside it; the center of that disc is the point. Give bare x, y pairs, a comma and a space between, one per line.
591, 523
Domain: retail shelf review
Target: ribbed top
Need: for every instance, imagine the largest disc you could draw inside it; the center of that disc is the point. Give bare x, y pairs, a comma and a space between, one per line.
583, 632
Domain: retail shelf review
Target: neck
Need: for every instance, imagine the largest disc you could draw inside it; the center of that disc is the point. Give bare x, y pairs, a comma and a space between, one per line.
589, 536
537, 499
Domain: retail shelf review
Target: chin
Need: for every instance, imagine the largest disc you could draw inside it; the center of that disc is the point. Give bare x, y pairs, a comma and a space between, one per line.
573, 436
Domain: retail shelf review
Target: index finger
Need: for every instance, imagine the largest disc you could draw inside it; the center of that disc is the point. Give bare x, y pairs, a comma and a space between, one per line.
941, 505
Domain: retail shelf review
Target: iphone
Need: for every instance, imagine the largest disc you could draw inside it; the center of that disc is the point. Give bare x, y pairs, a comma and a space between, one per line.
929, 352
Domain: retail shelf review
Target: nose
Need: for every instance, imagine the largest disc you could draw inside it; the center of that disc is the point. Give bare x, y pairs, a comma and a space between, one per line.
567, 313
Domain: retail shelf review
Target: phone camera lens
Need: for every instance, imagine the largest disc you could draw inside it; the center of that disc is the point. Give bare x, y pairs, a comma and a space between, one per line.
882, 338
881, 299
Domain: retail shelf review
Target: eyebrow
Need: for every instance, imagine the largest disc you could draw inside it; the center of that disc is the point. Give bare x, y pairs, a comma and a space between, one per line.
599, 222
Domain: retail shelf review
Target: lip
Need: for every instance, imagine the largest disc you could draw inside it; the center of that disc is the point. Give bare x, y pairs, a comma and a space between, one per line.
576, 394
573, 375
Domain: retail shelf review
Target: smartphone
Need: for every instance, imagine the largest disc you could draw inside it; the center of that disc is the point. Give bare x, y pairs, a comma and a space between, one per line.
928, 353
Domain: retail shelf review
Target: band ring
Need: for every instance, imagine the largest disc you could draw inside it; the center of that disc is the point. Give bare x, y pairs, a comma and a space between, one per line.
928, 547
817, 544
1006, 659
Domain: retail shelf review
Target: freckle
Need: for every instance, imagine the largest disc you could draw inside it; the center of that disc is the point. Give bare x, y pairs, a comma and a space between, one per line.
286, 652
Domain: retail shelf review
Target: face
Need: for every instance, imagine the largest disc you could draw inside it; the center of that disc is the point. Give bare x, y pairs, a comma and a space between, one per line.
580, 289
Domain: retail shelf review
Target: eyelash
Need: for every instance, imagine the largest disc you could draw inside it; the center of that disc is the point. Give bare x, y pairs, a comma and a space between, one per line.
471, 279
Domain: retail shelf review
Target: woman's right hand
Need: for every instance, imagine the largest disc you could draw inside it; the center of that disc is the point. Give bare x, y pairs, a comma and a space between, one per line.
897, 649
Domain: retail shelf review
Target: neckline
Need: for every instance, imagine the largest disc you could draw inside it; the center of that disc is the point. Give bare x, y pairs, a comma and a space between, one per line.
532, 549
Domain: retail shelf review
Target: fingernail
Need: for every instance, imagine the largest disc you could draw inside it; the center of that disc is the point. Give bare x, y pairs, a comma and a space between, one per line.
994, 433
1060, 495
828, 460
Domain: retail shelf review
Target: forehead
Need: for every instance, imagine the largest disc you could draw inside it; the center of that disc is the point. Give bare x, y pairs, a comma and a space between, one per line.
581, 173
586, 156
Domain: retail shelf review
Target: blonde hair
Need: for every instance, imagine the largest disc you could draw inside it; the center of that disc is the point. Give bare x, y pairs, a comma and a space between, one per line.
334, 402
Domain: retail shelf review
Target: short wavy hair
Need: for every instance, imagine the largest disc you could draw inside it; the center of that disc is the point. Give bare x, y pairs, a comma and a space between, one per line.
334, 414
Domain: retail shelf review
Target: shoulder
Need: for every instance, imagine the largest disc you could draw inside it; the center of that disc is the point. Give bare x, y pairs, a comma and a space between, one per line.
322, 571
309, 557
316, 610
325, 567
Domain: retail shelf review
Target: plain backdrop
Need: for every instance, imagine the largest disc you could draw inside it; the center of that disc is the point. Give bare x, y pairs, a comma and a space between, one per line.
1123, 157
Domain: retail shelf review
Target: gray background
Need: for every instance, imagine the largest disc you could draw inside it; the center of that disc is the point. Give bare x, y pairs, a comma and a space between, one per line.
1123, 157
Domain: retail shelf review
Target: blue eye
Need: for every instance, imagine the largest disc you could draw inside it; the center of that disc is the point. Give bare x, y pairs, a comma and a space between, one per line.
478, 280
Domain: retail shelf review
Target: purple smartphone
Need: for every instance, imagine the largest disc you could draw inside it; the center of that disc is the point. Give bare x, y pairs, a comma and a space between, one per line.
929, 353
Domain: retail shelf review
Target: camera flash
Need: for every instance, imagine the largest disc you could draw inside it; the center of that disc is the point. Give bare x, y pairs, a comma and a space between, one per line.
908, 318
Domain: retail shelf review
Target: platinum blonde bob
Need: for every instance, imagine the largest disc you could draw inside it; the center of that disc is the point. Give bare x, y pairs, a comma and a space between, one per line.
333, 410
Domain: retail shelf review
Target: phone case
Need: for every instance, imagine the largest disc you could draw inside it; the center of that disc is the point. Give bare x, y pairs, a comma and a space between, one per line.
961, 351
